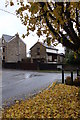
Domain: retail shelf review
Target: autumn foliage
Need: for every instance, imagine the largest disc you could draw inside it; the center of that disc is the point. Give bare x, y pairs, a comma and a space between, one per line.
58, 101
57, 20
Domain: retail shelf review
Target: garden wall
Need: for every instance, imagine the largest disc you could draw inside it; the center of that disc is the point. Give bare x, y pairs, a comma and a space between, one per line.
32, 66
39, 66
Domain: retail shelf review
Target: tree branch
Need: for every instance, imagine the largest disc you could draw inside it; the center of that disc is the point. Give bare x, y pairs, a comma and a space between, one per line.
49, 7
70, 31
47, 21
75, 22
66, 42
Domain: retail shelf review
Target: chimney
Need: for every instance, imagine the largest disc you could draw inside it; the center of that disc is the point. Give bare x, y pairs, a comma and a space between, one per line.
17, 35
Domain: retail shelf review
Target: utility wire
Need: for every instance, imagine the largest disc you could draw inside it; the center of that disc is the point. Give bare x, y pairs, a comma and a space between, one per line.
7, 11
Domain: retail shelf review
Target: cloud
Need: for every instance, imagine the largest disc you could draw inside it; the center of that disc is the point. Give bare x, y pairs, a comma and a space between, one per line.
10, 24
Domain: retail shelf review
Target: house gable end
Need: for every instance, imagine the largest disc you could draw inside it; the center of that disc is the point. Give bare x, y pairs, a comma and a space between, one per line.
36, 44
7, 38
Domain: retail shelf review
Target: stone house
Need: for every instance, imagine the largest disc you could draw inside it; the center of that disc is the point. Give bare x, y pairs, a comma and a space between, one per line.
40, 52
13, 48
0, 52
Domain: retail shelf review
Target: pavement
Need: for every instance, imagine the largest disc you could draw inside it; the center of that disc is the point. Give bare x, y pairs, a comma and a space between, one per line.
20, 84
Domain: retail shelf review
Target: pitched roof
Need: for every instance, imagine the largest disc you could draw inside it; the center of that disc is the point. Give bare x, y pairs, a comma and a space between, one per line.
49, 47
45, 45
7, 38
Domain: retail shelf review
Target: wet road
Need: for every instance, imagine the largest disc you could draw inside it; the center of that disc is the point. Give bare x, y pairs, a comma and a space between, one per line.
17, 84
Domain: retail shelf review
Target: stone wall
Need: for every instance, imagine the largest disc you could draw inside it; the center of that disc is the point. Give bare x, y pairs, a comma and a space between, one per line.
15, 50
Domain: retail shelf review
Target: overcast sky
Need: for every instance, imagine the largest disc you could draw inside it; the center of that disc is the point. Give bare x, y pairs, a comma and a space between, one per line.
10, 25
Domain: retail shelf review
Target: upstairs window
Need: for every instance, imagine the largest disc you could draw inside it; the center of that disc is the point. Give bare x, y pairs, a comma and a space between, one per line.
3, 57
38, 51
2, 40
3, 49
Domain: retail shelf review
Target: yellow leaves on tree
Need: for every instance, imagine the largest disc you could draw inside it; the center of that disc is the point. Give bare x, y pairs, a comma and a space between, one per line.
61, 19
11, 3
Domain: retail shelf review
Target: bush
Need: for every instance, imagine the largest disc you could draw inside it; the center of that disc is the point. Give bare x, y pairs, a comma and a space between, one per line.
68, 80
26, 60
76, 82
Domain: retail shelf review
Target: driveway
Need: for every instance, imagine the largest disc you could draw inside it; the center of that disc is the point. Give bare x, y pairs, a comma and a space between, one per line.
17, 84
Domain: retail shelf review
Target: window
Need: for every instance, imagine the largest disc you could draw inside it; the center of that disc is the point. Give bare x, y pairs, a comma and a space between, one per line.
49, 58
38, 51
3, 57
3, 49
2, 40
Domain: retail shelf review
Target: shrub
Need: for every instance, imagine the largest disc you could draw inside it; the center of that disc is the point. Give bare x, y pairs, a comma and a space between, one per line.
76, 82
68, 80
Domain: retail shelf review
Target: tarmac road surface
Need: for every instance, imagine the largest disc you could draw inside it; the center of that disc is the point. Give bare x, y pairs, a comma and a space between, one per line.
17, 84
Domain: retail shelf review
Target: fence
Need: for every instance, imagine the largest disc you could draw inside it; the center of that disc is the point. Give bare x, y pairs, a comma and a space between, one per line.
22, 66
39, 66
33, 66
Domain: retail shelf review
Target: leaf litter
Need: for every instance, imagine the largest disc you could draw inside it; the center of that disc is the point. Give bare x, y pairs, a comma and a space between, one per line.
58, 101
